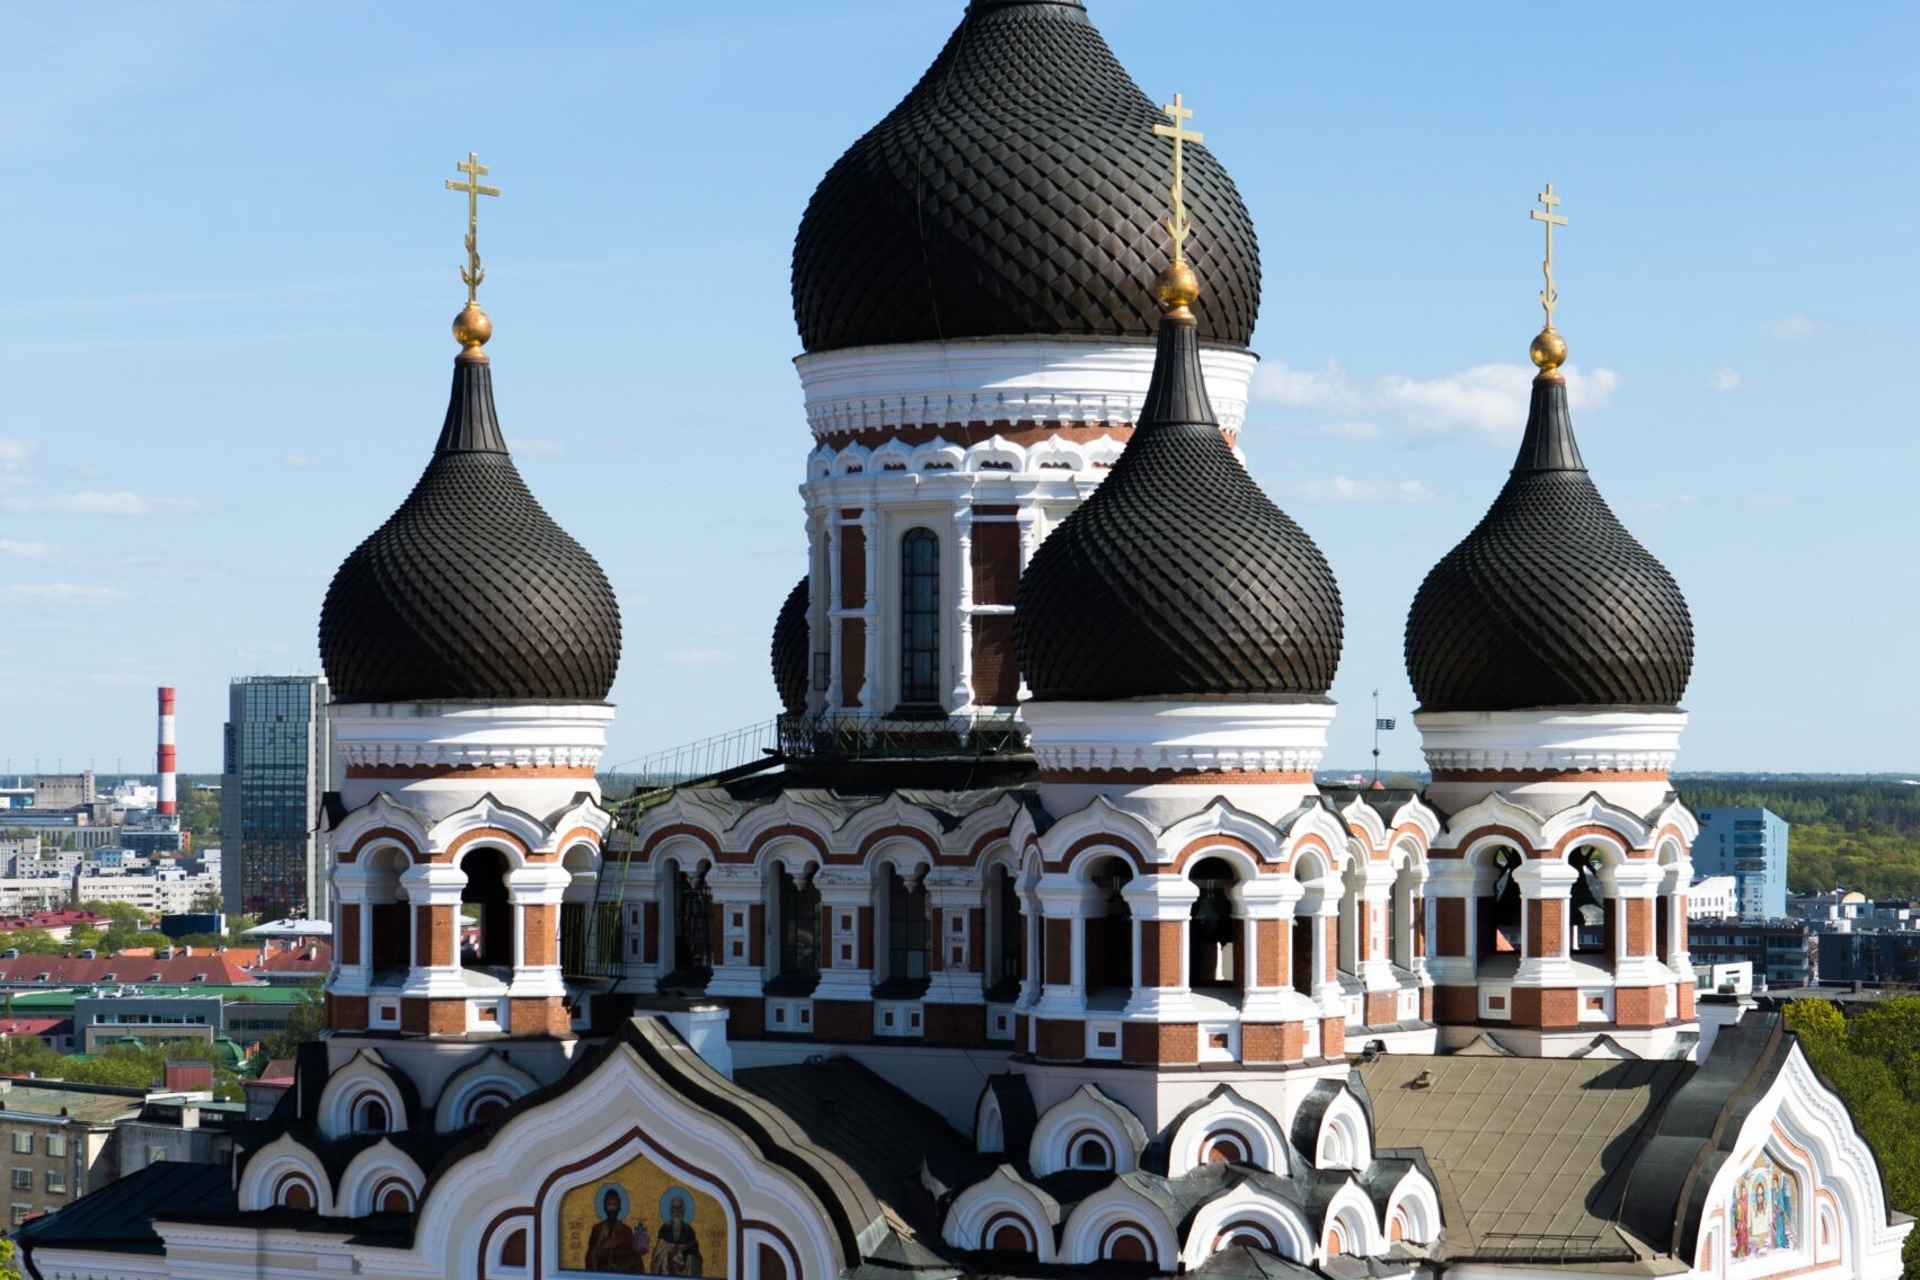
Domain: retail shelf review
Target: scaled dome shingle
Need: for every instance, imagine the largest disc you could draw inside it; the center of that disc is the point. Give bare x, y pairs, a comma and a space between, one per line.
470, 591
1018, 189
1178, 578
789, 652
1549, 602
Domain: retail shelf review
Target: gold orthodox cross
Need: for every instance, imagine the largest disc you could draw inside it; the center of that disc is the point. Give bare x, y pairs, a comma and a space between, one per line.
1548, 295
472, 274
1178, 111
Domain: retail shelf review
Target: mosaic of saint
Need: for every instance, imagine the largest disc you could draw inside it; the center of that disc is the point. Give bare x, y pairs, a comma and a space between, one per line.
640, 1221
1765, 1209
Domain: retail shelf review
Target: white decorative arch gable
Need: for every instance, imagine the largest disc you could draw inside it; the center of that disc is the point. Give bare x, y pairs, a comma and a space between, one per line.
939, 454
567, 1141
1001, 1195
1344, 1139
1221, 818
997, 453
1118, 1208
371, 1173
1413, 1210
1227, 1113
1274, 1223
269, 1168
1466, 827
488, 1074
1333, 833
1089, 1112
487, 813
364, 1075
381, 812
1593, 811
1100, 818
1353, 1214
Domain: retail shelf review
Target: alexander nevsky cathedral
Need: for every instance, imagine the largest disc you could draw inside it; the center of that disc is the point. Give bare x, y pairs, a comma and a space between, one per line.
1033, 949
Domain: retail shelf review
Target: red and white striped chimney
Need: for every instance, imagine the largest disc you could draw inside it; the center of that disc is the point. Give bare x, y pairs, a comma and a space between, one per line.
164, 759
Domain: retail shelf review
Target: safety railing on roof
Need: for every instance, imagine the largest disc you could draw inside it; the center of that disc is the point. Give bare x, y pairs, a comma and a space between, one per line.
862, 737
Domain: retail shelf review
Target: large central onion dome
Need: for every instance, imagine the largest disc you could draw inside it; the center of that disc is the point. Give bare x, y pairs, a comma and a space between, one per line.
1549, 602
1178, 578
1017, 190
470, 591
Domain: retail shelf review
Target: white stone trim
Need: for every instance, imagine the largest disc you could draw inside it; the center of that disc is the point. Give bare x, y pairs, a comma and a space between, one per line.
1078, 381
1088, 1108
489, 1071
1003, 1191
282, 1156
1292, 1235
1179, 736
1602, 739
369, 1170
497, 735
1227, 1110
1113, 1205
365, 1073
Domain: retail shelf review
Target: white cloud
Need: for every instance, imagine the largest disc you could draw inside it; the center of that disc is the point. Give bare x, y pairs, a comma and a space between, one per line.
299, 460
66, 592
96, 502
13, 453
1346, 489
25, 550
1726, 379
537, 448
1794, 327
1349, 431
1490, 398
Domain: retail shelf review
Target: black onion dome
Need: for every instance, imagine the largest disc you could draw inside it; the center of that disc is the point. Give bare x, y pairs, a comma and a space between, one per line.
790, 650
1549, 602
470, 590
1178, 577
1018, 189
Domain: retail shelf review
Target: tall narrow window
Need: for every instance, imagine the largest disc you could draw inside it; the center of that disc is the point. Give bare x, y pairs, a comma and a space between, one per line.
692, 912
906, 929
919, 617
799, 928
1006, 971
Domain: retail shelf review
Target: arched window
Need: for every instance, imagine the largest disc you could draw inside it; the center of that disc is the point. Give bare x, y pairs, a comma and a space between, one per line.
799, 928
1009, 940
906, 928
1090, 1151
513, 1253
484, 901
1109, 937
393, 1198
485, 1105
1213, 935
295, 1192
692, 917
1499, 915
1589, 910
370, 1116
920, 618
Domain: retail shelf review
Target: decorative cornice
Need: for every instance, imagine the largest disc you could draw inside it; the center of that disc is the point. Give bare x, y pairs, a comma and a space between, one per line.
1063, 381
1151, 741
409, 760
516, 768
1596, 744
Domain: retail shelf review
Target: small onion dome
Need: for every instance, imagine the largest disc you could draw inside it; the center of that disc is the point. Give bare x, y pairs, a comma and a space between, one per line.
1017, 190
1549, 602
790, 650
1178, 578
470, 591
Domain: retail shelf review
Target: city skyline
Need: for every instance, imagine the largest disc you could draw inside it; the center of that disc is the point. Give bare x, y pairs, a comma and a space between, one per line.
209, 403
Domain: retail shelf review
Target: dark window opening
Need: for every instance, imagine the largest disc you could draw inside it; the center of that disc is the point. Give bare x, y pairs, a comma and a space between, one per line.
1589, 911
692, 919
906, 929
485, 901
1213, 935
920, 618
1007, 960
1303, 927
1499, 915
1109, 964
799, 929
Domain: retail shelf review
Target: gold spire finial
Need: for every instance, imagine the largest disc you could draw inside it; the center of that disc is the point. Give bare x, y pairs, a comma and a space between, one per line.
1549, 350
472, 328
1178, 286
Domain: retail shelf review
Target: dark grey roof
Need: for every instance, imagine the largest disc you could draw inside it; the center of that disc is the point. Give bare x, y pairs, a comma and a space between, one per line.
791, 673
1017, 189
1178, 577
470, 590
1018, 1114
1531, 1156
1549, 602
119, 1216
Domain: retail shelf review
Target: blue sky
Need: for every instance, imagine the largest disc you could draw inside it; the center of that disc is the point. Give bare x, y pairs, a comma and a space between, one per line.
230, 266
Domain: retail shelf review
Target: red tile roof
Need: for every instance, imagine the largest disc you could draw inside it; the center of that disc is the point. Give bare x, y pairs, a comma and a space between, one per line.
31, 1026
315, 958
71, 971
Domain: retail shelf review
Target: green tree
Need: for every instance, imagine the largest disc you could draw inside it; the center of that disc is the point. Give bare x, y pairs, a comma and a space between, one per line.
208, 900
308, 1022
32, 942
9, 1262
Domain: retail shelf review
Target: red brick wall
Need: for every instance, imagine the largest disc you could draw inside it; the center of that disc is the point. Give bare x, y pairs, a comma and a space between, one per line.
1272, 1041
349, 933
996, 563
1639, 927
1450, 922
961, 1024
1160, 1043
853, 566
1333, 947
1456, 1004
541, 945
757, 934
1060, 1040
1380, 1008
1546, 927
347, 1013
1273, 948
843, 1019
1059, 958
1333, 1037
746, 1017
1160, 953
540, 1016
1683, 991
996, 669
1640, 1006
853, 660
434, 939
1548, 1007
866, 937
650, 933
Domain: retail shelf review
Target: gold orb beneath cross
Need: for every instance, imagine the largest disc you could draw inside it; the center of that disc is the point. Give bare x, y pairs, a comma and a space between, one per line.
1177, 287
1549, 350
472, 327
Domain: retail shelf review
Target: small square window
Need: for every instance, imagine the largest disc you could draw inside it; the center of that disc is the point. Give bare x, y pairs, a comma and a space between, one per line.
56, 1144
56, 1182
23, 1144
23, 1179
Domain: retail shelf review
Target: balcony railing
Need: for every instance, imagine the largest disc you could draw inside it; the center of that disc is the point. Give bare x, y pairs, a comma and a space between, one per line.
840, 736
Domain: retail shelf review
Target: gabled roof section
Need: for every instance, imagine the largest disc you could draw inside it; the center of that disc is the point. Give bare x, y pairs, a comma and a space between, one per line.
118, 1218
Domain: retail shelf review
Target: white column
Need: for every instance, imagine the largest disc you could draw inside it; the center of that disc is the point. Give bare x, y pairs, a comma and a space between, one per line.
963, 610
351, 888
1269, 898
1061, 897
1375, 961
539, 885
844, 892
870, 692
951, 900
1028, 518
1636, 882
830, 615
1162, 900
1319, 906
433, 884
1545, 880
819, 605
736, 891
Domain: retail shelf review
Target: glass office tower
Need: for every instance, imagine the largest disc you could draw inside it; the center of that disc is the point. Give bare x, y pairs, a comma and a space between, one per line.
279, 763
